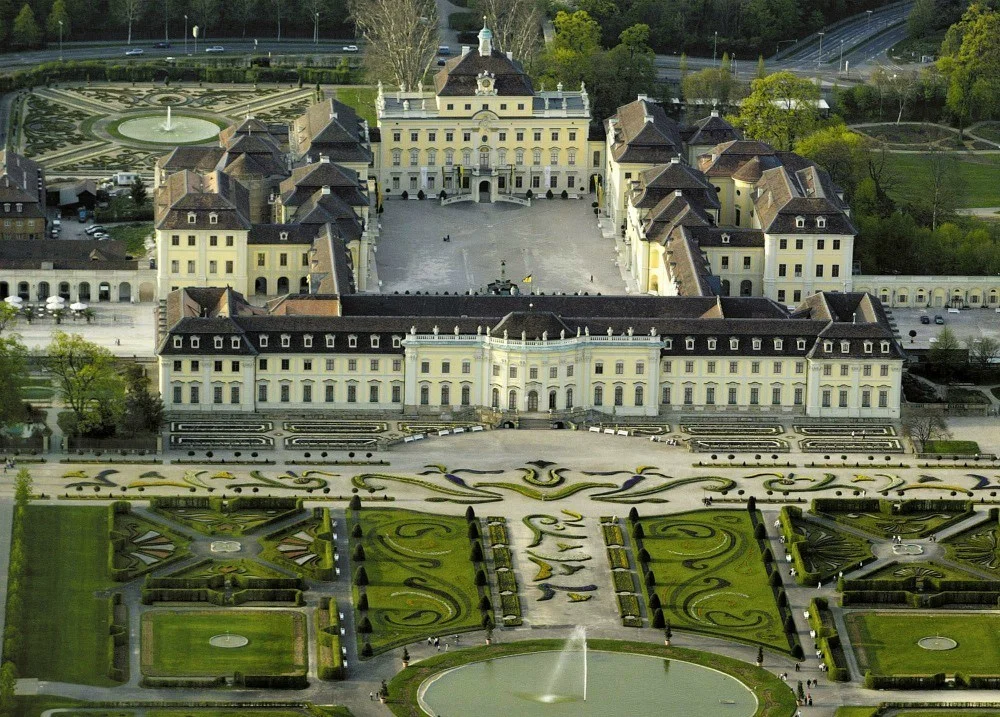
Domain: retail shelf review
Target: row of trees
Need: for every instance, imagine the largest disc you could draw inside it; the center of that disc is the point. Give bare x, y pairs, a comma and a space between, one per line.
32, 24
13, 638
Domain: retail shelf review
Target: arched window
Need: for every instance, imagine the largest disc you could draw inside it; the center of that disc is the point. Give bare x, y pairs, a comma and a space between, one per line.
569, 398
449, 157
512, 400
724, 290
536, 156
466, 396
598, 395
466, 157
425, 395
496, 399
445, 395
397, 157
746, 288
619, 396
553, 156
519, 157
414, 157
552, 400
639, 395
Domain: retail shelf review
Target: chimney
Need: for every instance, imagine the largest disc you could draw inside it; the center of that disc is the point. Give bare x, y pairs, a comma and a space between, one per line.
715, 113
675, 160
465, 50
323, 159
643, 98
510, 55
326, 189
678, 193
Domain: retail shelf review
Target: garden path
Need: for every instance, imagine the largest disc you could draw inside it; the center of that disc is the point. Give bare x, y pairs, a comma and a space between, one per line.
6, 521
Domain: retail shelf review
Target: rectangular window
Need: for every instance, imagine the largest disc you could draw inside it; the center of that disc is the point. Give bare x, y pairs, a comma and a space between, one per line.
466, 367
373, 393
307, 365
286, 393
373, 364
798, 244
883, 370
688, 395
352, 393
553, 372
755, 367
710, 395
843, 399
777, 367
732, 395
826, 398
512, 372
746, 263
234, 366
263, 364
835, 272
640, 368
883, 399
217, 394
213, 267
329, 364
844, 369
285, 364
569, 371
866, 399
352, 364
229, 267
328, 397
177, 394
665, 395
397, 394
754, 396
599, 368
798, 397
776, 396
710, 367
819, 271
689, 367
262, 393
307, 393
195, 394
425, 367
828, 370
191, 267
866, 370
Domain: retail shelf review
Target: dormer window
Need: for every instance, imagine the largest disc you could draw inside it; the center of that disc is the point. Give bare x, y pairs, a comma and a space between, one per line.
821, 222
668, 343
307, 341
263, 341
19, 207
827, 346
6, 206
725, 238
283, 236
195, 342
756, 344
352, 342
330, 340
192, 217
779, 344
234, 342
734, 344
800, 344
375, 341
213, 218
845, 347
217, 342
885, 347
711, 344
800, 222
397, 342
178, 342
286, 341
689, 343
868, 347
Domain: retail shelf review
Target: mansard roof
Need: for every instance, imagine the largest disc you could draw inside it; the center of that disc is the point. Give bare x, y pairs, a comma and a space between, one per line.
459, 77
643, 134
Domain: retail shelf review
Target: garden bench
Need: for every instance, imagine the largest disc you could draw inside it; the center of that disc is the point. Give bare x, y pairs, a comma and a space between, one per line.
444, 432
476, 428
609, 431
594, 429
622, 433
459, 430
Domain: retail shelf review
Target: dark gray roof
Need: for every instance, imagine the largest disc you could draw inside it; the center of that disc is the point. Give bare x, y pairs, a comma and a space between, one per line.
643, 134
65, 254
459, 76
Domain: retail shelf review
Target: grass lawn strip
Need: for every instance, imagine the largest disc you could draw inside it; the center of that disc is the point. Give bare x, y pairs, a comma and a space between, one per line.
894, 571
886, 642
175, 643
976, 175
65, 627
710, 576
969, 448
421, 580
774, 697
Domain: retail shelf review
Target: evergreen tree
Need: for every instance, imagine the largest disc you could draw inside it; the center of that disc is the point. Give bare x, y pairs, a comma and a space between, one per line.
26, 33
138, 190
56, 15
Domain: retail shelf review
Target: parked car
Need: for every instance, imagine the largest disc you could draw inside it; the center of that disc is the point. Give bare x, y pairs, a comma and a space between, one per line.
91, 230
939, 319
161, 45
215, 48
444, 50
349, 48
441, 62
925, 319
134, 51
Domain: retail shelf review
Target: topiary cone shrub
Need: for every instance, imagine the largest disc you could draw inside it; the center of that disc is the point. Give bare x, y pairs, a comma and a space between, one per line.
355, 503
480, 577
359, 553
658, 620
643, 556
633, 514
367, 651
476, 554
759, 531
650, 579
654, 601
485, 603
637, 532
356, 531
363, 602
365, 626
473, 530
361, 576
470, 514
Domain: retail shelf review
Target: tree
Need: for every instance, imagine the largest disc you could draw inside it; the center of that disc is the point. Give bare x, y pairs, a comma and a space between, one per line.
780, 108
712, 86
761, 68
983, 351
923, 18
516, 26
142, 411
129, 11
138, 190
941, 193
945, 353
841, 152
970, 59
243, 10
401, 36
25, 33
760, 656
206, 13
22, 487
925, 427
13, 374
904, 87
58, 15
88, 380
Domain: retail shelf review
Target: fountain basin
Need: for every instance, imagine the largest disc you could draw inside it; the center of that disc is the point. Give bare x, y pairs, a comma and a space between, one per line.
183, 129
618, 683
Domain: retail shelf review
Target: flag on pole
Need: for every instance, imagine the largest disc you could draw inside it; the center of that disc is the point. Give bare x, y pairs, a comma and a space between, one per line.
527, 279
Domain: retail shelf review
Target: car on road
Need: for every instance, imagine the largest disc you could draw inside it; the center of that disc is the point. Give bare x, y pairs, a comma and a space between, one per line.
349, 48
134, 51
939, 319
444, 50
161, 45
441, 62
925, 319
215, 48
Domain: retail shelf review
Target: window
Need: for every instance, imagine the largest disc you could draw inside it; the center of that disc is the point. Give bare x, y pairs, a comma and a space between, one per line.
665, 394
640, 368
842, 399
397, 136
619, 368
688, 395
533, 373
776, 367
746, 263
797, 397
569, 371
286, 393
885, 347
835, 272
328, 390
352, 342
782, 269
755, 367
820, 244
598, 395
285, 364
639, 395
217, 342
536, 156
373, 393
229, 240
756, 344
826, 398
262, 393
776, 396
329, 364
178, 398
798, 244
190, 267
373, 364
553, 372
754, 395
229, 267
845, 347
234, 366
619, 396
445, 367
195, 394
844, 369
599, 368
512, 372
734, 344
819, 271
800, 344
866, 399
216, 394
554, 156
689, 367
689, 344
519, 157
782, 243
352, 393
883, 399
710, 367
397, 393
397, 157
798, 270
821, 223
352, 365
213, 267
711, 344
734, 367
217, 366
800, 367
800, 222
330, 340
710, 395
195, 343
836, 244
571, 159
496, 370
828, 370
538, 135
307, 393
731, 398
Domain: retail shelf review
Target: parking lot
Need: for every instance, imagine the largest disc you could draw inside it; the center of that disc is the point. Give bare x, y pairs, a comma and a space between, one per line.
966, 324
556, 242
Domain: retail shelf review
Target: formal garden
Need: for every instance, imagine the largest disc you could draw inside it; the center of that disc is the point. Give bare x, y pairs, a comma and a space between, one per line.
89, 127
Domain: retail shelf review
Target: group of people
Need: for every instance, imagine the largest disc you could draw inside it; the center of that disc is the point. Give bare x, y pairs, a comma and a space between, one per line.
9, 464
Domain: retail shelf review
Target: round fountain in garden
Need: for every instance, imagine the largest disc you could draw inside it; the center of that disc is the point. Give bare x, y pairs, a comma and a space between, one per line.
225, 546
175, 129
937, 643
576, 683
228, 641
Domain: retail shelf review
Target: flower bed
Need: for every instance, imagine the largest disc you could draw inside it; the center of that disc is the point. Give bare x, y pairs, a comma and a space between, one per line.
506, 581
851, 445
638, 429
502, 557
231, 427
628, 605
624, 583
837, 429
618, 558
733, 429
336, 443
498, 534
335, 426
738, 445
222, 442
613, 535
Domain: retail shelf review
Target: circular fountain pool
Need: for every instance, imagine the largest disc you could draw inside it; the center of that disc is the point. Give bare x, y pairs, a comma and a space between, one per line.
182, 129
531, 685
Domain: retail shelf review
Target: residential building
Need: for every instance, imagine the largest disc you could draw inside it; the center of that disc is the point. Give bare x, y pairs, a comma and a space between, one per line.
22, 197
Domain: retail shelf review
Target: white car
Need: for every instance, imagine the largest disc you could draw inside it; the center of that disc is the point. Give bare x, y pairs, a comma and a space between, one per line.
349, 48
134, 51
215, 48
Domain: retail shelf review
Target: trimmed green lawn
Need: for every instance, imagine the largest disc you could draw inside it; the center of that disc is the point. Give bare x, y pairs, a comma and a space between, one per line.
175, 643
886, 642
362, 99
421, 580
977, 174
198, 712
710, 576
949, 447
134, 236
65, 628
856, 711
895, 571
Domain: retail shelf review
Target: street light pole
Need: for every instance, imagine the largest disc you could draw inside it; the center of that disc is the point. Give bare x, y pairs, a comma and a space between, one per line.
715, 46
185, 34
194, 31
819, 60
60, 40
166, 22
869, 26
841, 66
316, 30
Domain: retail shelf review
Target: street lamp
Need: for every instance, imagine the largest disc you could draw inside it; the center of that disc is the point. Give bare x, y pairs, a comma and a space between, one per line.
316, 30
715, 46
60, 40
194, 31
185, 34
841, 66
869, 26
819, 60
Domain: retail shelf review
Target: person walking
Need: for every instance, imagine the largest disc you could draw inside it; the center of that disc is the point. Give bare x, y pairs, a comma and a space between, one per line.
371, 696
